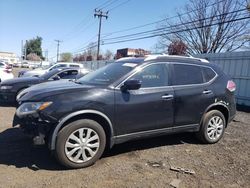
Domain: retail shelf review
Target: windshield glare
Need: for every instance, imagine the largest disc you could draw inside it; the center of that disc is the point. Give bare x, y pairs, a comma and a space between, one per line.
108, 74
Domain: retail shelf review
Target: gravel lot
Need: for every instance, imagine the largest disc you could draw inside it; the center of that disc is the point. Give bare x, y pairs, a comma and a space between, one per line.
144, 163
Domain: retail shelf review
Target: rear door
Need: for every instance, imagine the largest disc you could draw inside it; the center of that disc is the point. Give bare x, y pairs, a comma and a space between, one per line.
193, 93
148, 108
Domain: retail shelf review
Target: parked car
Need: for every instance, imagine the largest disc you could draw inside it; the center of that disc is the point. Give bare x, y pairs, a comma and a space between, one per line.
9, 89
25, 64
5, 74
43, 70
130, 99
5, 66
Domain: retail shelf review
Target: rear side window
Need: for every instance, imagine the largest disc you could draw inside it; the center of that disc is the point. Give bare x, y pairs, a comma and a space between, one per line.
74, 66
187, 74
209, 74
70, 74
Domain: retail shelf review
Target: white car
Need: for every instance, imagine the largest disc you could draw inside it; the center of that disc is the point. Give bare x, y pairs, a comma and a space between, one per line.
5, 74
25, 64
40, 71
5, 65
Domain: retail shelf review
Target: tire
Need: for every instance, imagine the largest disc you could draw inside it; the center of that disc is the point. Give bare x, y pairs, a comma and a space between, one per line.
212, 127
80, 153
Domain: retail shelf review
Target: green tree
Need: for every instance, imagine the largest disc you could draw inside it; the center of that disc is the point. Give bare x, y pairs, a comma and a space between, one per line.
66, 57
34, 46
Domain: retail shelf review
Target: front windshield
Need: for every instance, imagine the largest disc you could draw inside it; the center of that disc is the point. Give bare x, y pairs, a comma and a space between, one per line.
108, 74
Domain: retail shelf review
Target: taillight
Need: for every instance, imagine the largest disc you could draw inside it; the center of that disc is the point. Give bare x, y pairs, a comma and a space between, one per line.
231, 86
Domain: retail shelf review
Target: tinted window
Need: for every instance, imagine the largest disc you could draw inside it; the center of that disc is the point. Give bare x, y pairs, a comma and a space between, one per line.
74, 66
209, 74
152, 76
70, 74
187, 74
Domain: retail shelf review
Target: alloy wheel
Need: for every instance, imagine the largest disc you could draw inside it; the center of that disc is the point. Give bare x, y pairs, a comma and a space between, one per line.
215, 127
82, 145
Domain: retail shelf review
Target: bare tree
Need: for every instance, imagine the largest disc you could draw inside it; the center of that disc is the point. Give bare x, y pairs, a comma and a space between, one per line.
209, 26
108, 55
33, 57
92, 51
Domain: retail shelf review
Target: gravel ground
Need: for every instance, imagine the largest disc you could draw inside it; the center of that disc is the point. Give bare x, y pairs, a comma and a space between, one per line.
144, 163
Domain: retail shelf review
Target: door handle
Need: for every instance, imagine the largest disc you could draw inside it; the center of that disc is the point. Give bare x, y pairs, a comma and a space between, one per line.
167, 97
207, 92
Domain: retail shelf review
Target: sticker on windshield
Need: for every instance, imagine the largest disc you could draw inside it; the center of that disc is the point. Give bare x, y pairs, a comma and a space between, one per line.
129, 64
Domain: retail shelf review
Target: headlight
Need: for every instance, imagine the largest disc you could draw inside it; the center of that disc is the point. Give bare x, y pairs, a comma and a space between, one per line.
6, 87
31, 107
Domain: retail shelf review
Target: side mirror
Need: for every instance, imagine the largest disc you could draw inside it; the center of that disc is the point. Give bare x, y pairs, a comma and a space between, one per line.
131, 85
56, 77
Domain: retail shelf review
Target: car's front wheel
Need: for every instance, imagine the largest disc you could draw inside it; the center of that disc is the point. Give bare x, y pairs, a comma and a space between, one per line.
80, 143
212, 127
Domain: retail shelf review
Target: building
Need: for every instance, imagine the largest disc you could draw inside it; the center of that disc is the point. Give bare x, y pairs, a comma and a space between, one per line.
129, 52
9, 57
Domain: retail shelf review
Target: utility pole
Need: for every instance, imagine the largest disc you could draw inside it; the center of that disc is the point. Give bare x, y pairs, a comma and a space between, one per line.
58, 45
99, 13
22, 56
25, 50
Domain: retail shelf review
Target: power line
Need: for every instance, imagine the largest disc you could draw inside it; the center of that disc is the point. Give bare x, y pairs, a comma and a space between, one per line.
176, 25
103, 4
159, 21
110, 3
83, 22
156, 31
115, 7
84, 44
178, 31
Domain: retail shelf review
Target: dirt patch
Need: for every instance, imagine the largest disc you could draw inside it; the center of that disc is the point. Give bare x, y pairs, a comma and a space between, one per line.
144, 163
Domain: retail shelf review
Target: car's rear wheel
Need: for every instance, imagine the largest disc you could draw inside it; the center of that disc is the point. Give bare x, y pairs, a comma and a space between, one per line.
212, 127
80, 143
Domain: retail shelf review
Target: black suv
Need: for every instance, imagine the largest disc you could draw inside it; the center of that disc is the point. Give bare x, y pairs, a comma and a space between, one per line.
129, 99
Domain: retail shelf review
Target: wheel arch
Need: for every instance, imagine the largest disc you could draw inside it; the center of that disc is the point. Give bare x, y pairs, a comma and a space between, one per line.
220, 107
95, 115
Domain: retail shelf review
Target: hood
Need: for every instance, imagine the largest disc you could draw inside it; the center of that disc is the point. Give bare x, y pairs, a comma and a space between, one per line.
21, 80
40, 91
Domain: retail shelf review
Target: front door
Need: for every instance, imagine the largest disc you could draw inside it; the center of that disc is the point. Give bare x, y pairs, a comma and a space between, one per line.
148, 108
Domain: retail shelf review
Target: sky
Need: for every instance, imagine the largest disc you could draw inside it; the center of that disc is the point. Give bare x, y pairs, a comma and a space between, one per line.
73, 22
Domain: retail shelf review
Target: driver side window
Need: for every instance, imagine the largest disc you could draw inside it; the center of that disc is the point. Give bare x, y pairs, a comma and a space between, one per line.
70, 74
155, 75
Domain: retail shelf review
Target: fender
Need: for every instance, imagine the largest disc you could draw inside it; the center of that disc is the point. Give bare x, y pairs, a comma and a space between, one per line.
213, 105
52, 145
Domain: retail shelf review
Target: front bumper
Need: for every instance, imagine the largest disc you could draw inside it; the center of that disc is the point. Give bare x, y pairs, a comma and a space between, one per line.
37, 125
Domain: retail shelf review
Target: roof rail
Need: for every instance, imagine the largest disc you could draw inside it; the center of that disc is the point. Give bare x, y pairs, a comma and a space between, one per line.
152, 57
125, 58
